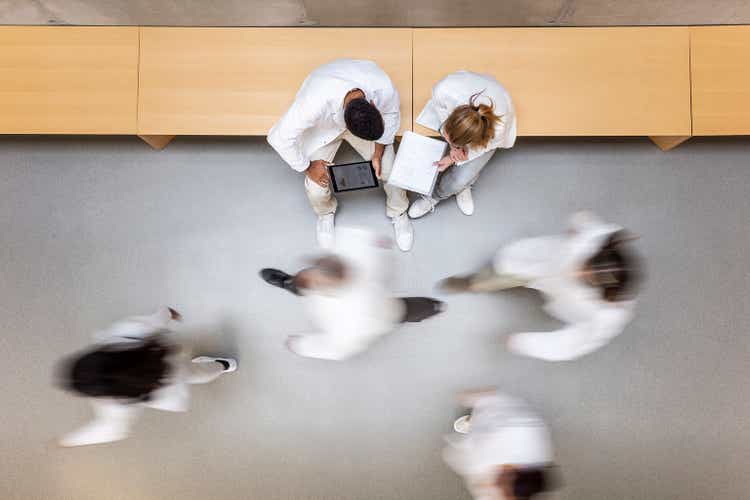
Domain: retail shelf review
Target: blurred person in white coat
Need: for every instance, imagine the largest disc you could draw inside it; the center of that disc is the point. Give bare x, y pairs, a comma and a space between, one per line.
136, 363
348, 296
344, 100
475, 115
588, 278
502, 449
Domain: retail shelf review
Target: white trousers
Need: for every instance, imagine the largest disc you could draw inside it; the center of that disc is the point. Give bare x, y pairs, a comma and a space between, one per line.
322, 199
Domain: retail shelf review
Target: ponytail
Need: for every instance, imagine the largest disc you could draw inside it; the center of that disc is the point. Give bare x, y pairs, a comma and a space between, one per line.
473, 123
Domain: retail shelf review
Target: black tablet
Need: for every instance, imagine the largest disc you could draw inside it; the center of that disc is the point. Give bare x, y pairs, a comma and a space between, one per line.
352, 176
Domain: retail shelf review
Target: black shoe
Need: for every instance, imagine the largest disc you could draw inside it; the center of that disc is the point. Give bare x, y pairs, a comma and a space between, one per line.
421, 308
280, 279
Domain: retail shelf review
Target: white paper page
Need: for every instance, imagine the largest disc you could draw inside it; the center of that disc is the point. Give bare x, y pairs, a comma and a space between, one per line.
413, 168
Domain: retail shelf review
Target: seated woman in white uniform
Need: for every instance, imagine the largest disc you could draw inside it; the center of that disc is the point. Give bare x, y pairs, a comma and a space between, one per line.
474, 114
348, 296
588, 278
502, 450
134, 365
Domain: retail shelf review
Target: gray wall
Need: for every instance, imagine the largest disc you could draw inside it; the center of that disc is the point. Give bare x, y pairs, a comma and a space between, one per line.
375, 12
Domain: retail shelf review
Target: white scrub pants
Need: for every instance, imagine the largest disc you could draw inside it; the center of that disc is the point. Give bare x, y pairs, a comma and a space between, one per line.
322, 199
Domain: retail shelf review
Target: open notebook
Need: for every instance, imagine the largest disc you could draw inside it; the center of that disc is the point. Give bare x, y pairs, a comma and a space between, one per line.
413, 168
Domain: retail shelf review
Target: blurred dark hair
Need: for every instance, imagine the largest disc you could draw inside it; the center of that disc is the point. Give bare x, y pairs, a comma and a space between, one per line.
615, 269
332, 267
363, 120
118, 370
529, 482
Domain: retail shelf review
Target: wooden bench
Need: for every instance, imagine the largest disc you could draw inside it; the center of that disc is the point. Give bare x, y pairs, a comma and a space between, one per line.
65, 80
571, 82
720, 64
162, 82
239, 81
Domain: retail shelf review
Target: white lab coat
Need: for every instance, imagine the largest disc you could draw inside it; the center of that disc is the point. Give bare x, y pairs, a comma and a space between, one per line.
455, 90
504, 431
354, 315
550, 264
113, 417
316, 118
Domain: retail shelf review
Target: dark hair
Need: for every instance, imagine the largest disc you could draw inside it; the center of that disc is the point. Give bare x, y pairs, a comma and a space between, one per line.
118, 370
332, 267
615, 269
363, 120
529, 482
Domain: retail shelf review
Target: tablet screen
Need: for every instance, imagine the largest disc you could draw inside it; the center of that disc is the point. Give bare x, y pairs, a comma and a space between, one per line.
351, 176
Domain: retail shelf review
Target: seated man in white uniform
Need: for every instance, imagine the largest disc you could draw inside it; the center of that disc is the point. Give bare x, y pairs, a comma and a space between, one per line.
348, 296
354, 101
588, 278
135, 364
502, 450
474, 114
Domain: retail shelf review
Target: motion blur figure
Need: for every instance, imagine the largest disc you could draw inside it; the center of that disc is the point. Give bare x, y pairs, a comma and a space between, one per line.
135, 364
587, 276
348, 296
502, 449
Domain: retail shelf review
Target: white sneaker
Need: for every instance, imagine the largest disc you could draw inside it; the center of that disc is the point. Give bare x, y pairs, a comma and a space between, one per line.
325, 231
422, 206
465, 202
462, 425
404, 232
230, 365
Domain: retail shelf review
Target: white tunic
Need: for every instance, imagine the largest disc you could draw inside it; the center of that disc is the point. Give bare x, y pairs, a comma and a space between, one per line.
113, 417
316, 118
552, 263
455, 90
354, 315
504, 431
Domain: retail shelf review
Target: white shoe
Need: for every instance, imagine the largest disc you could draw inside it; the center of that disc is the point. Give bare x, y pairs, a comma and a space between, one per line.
325, 231
462, 425
230, 364
465, 202
404, 232
422, 206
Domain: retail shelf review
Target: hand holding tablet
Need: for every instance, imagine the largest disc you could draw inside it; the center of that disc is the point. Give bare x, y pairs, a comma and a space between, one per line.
352, 176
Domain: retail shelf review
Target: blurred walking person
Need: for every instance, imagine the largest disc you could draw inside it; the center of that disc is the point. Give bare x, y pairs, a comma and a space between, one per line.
348, 297
588, 278
136, 363
502, 450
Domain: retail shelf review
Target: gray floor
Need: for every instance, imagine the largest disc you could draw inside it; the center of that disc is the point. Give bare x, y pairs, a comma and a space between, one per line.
369, 13
93, 229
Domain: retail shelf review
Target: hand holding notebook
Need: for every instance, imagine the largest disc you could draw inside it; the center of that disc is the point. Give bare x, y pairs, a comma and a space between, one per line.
414, 168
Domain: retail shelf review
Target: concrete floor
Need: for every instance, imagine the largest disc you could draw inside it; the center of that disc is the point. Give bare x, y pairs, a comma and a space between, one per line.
368, 13
96, 228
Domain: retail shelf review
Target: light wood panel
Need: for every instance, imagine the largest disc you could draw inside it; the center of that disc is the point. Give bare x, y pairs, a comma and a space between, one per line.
720, 57
571, 81
239, 81
68, 80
